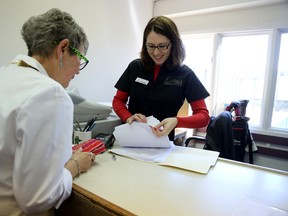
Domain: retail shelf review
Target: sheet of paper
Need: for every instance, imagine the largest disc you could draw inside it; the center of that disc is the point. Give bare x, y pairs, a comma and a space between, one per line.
144, 154
192, 159
140, 134
152, 121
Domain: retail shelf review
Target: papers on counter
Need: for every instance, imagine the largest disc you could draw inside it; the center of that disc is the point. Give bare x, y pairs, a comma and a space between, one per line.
138, 142
144, 154
193, 159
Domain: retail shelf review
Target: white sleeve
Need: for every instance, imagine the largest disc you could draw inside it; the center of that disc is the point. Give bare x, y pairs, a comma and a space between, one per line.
44, 131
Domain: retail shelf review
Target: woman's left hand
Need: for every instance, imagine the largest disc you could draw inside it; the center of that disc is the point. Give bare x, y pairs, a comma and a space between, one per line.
165, 127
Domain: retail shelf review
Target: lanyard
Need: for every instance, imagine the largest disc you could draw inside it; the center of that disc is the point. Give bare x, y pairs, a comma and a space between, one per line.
24, 64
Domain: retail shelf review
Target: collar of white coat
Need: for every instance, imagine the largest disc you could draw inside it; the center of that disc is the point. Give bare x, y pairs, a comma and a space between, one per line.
29, 61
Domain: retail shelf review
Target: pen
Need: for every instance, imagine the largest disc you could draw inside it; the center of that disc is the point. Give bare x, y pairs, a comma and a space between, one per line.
89, 123
92, 126
113, 156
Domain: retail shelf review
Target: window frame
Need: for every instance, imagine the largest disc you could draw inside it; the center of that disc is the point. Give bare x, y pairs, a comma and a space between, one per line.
270, 77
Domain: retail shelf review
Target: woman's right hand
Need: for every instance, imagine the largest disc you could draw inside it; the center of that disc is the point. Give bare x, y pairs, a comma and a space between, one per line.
136, 117
80, 162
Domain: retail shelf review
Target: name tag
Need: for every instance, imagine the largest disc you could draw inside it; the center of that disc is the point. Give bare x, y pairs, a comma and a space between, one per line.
142, 81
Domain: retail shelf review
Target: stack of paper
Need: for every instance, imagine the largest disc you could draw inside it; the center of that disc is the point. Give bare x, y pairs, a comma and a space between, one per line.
140, 134
143, 154
137, 141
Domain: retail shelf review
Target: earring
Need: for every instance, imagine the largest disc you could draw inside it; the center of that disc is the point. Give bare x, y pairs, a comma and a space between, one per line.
60, 62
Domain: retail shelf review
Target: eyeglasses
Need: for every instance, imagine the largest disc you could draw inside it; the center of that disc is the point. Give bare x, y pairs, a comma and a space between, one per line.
161, 46
79, 54
84, 60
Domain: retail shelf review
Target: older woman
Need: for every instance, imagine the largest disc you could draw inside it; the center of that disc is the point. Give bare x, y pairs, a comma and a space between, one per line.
36, 117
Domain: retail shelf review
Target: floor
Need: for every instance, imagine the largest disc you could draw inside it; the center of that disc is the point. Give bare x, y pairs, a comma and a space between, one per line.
269, 161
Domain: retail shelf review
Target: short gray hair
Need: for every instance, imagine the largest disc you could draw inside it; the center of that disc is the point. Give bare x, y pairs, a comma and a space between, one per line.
41, 32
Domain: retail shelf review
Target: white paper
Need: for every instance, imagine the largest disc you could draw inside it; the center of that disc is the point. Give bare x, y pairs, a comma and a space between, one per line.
193, 159
144, 154
140, 134
152, 121
137, 141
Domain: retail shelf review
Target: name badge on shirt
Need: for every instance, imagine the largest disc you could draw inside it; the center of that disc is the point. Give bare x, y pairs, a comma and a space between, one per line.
142, 81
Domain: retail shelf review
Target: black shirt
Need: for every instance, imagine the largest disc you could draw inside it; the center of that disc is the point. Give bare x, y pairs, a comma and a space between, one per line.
163, 97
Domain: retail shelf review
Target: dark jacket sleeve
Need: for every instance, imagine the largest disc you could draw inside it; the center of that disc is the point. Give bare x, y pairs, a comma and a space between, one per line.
219, 136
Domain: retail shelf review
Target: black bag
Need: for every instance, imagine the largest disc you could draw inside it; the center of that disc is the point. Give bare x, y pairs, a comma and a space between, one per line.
228, 135
240, 135
108, 139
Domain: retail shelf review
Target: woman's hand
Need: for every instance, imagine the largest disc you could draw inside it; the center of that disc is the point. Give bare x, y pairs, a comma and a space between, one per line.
84, 159
137, 117
165, 127
80, 162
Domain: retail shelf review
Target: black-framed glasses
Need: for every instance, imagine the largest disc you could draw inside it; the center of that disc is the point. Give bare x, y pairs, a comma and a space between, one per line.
161, 46
84, 60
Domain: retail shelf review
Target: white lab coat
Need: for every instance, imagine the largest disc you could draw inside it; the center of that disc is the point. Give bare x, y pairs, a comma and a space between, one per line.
36, 125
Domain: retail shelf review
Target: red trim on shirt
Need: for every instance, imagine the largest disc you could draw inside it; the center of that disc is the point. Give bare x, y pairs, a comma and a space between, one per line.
199, 119
119, 105
156, 71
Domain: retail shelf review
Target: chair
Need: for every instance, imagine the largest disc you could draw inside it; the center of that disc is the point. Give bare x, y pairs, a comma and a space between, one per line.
228, 134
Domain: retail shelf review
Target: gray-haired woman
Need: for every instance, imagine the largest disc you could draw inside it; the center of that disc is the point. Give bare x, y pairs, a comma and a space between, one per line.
36, 119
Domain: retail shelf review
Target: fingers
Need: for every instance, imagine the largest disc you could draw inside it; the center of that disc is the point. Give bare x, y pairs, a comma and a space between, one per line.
165, 127
160, 131
130, 120
78, 150
137, 117
92, 156
85, 156
84, 159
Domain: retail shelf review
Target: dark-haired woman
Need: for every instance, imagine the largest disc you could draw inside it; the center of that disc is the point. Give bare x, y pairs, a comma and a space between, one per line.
157, 83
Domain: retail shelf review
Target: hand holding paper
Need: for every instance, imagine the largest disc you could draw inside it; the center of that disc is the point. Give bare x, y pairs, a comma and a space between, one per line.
140, 134
165, 127
136, 117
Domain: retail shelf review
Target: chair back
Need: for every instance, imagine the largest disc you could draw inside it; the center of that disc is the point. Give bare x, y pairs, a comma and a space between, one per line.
219, 136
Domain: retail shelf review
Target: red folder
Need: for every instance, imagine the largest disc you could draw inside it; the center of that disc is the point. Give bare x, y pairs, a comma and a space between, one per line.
92, 145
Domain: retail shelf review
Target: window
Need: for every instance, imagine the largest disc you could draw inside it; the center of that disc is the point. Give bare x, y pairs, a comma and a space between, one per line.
280, 108
248, 65
241, 72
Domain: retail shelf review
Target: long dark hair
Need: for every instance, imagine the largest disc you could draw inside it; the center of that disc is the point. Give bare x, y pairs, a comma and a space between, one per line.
164, 26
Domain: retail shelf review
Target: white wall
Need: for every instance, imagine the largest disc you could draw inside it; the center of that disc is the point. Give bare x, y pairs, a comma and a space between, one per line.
114, 29
208, 16
186, 7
